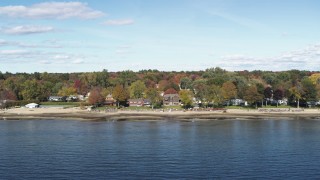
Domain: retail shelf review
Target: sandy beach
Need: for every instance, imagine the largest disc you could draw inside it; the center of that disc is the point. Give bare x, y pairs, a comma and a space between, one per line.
79, 114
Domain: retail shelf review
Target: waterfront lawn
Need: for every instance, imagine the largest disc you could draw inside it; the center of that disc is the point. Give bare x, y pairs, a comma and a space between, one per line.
64, 104
172, 107
253, 107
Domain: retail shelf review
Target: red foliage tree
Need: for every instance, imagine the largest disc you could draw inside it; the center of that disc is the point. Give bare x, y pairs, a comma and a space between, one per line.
95, 96
8, 95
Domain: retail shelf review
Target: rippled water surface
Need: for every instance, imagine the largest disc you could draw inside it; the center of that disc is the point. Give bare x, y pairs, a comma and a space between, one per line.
59, 149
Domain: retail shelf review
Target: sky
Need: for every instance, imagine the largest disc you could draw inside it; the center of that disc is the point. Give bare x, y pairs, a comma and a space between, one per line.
168, 35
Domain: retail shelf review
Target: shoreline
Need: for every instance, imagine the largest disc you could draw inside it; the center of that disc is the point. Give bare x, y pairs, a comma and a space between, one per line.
121, 115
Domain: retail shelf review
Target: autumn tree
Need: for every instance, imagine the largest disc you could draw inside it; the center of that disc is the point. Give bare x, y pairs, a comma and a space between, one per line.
7, 95
162, 84
15, 85
268, 92
297, 92
120, 94
80, 86
252, 95
278, 95
95, 97
229, 90
315, 78
67, 91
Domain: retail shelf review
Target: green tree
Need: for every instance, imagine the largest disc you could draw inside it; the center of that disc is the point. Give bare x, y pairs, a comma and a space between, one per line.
45, 90
201, 90
127, 77
215, 95
30, 90
241, 84
14, 84
185, 83
216, 76
186, 98
137, 89
102, 78
154, 96
309, 88
270, 78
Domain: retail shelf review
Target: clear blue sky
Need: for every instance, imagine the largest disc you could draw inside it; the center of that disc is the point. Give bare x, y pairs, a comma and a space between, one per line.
77, 36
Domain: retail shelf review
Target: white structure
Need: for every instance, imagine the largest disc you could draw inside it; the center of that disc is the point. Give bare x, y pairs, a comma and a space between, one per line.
32, 105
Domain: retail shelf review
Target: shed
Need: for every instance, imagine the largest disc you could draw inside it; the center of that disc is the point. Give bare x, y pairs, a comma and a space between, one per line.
32, 105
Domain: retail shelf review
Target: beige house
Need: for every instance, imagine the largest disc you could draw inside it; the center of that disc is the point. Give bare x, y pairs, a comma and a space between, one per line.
171, 100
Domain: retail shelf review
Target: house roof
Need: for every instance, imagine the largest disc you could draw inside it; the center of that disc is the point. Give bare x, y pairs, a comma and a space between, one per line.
171, 95
32, 104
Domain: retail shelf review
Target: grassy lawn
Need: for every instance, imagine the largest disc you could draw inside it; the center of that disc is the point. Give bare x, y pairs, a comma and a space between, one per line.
68, 104
172, 107
137, 108
141, 108
239, 107
280, 106
252, 107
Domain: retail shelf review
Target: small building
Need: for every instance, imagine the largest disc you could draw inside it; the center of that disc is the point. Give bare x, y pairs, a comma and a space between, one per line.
57, 98
171, 100
32, 105
109, 100
72, 98
81, 97
146, 102
237, 102
135, 102
139, 102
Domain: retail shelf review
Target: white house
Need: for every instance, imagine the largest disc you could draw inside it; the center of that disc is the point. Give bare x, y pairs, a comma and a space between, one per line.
32, 105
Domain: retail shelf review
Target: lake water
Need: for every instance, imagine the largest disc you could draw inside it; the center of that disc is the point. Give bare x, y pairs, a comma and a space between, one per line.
228, 149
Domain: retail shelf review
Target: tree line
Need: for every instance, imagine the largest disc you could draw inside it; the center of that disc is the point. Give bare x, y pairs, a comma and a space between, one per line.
211, 86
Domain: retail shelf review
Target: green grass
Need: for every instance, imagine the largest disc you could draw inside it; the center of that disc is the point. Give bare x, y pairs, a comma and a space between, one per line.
75, 104
141, 108
172, 107
253, 107
280, 106
137, 108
